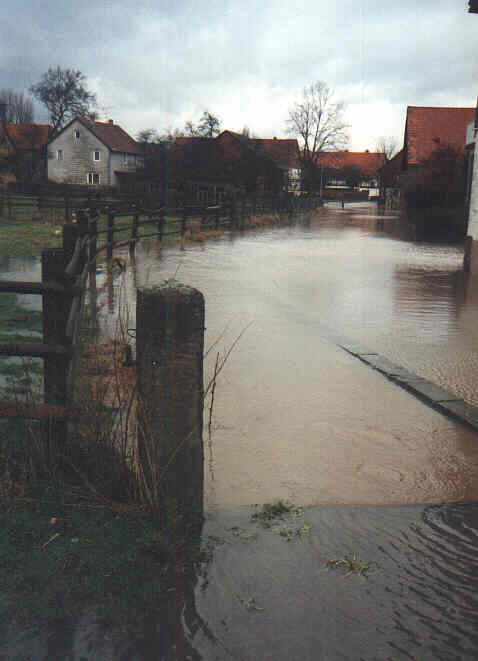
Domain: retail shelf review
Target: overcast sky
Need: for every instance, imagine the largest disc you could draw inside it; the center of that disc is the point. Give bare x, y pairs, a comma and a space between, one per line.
160, 63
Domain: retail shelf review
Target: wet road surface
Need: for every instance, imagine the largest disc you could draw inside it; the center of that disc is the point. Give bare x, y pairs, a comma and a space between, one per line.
298, 418
269, 594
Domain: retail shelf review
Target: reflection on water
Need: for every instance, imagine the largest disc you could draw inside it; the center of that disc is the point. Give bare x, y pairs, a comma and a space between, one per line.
296, 417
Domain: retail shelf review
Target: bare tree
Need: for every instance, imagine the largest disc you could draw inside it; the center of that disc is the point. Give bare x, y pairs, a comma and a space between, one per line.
387, 146
64, 94
318, 121
209, 125
147, 136
19, 108
190, 129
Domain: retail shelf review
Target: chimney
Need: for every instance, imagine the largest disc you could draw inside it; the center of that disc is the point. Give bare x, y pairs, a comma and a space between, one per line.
110, 121
3, 112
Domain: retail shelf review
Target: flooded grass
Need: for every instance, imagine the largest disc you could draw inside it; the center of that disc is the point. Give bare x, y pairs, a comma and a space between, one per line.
28, 237
351, 565
60, 556
271, 513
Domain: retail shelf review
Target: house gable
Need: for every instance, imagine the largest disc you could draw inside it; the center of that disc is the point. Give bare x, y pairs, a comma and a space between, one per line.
92, 153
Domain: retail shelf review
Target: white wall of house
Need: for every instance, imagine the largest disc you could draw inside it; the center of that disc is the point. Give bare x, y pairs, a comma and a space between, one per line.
123, 162
471, 136
77, 156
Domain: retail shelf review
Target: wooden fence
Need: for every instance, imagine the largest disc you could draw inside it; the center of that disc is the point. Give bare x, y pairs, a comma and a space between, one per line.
65, 271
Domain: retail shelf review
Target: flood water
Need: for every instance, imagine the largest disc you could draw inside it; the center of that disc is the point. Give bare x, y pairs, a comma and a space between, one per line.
297, 417
294, 415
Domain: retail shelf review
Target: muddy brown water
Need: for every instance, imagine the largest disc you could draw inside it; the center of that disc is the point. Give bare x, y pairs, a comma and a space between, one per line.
379, 473
294, 415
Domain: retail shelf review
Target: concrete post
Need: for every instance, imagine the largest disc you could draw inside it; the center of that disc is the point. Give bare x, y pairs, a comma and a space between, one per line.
169, 360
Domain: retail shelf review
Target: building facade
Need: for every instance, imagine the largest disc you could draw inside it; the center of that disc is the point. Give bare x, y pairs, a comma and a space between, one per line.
93, 154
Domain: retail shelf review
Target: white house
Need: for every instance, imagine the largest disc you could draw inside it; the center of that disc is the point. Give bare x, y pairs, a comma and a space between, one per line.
92, 153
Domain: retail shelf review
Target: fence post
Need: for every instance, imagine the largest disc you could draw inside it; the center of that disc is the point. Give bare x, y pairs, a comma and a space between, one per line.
70, 235
82, 221
93, 235
55, 316
467, 255
169, 360
184, 220
232, 215
161, 223
67, 209
134, 229
111, 225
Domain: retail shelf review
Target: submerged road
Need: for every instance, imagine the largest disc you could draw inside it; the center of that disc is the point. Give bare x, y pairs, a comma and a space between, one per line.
381, 564
297, 417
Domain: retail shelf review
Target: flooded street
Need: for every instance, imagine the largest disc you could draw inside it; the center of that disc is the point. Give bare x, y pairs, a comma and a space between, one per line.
381, 562
294, 415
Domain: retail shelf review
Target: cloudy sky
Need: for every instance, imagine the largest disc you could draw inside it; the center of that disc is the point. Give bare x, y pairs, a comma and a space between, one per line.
160, 63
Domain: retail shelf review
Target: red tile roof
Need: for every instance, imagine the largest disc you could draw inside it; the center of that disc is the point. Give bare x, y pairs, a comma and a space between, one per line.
368, 162
110, 135
28, 136
427, 128
113, 136
284, 151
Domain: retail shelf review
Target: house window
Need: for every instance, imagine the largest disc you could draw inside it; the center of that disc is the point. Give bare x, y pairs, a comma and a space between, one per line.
59, 155
93, 178
97, 155
125, 158
77, 134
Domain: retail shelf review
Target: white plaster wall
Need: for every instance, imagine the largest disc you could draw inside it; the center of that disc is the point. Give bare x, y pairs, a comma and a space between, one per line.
473, 217
78, 157
117, 164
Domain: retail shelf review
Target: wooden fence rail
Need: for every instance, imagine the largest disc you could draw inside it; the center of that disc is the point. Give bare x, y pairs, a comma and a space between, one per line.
65, 271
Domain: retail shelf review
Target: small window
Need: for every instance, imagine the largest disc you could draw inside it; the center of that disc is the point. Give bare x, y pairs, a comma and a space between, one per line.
77, 134
93, 178
97, 155
59, 155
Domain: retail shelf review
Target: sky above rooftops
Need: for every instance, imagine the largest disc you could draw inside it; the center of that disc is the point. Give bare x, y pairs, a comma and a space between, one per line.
158, 64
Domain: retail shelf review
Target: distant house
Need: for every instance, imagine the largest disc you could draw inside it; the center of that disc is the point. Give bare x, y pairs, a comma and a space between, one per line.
432, 174
93, 154
390, 182
472, 178
22, 151
349, 169
208, 170
285, 153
